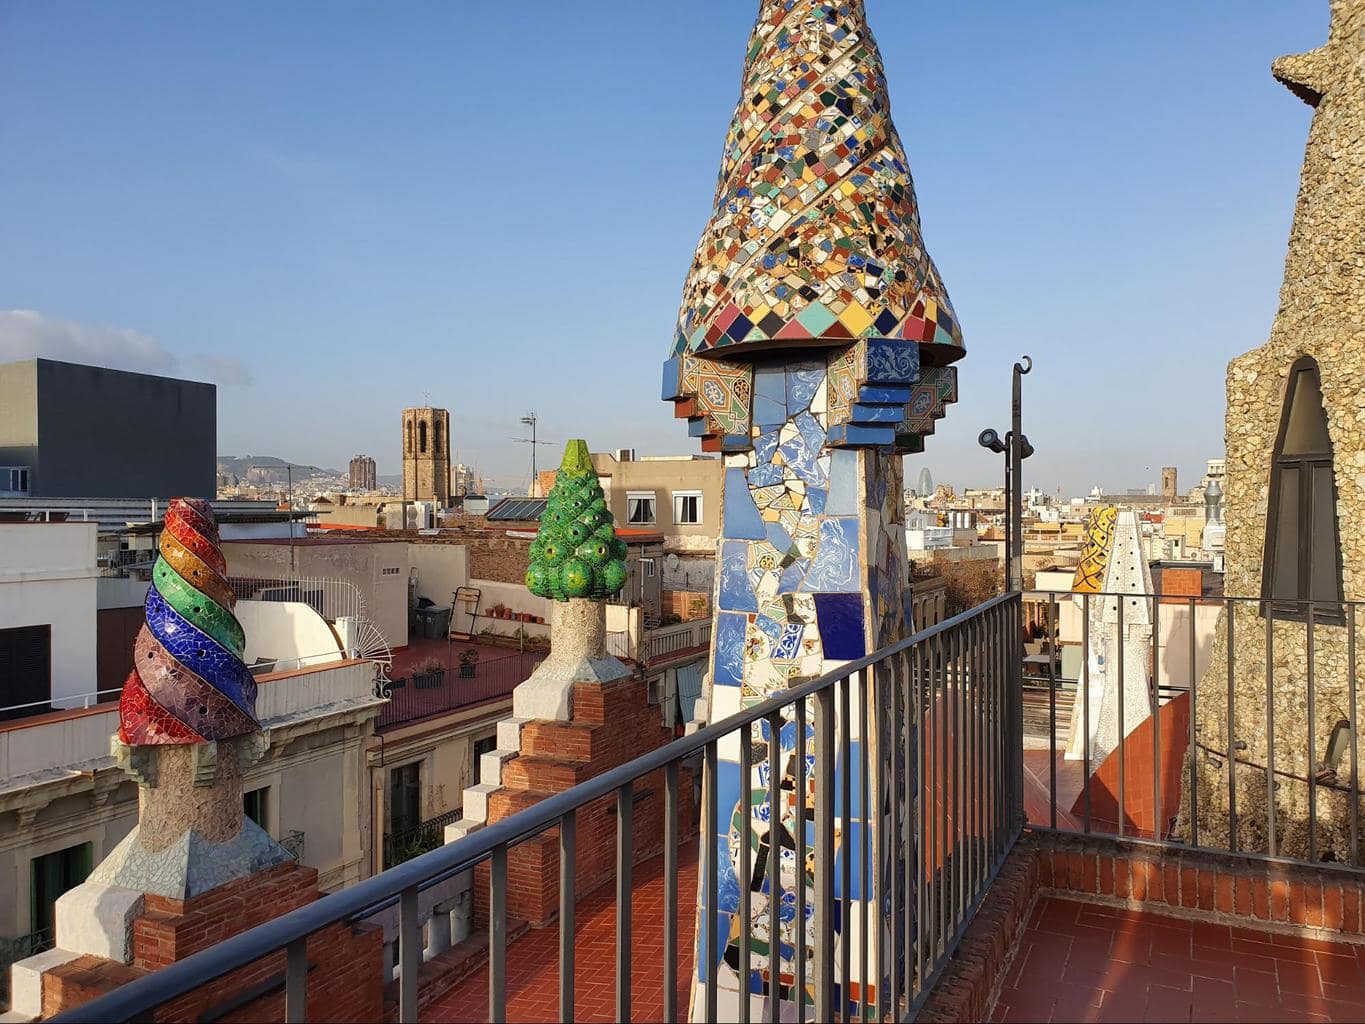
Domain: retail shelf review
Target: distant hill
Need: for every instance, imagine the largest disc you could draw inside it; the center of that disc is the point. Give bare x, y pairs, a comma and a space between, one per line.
269, 467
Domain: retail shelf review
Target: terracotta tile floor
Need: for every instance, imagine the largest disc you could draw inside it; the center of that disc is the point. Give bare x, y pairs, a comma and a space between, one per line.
533, 960
1085, 962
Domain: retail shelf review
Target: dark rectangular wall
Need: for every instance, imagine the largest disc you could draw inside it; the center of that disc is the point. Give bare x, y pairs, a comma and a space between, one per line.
112, 434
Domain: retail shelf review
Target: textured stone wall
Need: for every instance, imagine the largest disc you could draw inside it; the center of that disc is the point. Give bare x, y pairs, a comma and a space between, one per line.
1322, 314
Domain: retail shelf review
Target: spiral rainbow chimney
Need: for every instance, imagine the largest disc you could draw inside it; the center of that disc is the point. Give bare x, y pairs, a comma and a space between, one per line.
189, 683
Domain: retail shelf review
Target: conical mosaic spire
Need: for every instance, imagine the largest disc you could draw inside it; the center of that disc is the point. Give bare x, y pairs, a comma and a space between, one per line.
189, 683
576, 552
815, 235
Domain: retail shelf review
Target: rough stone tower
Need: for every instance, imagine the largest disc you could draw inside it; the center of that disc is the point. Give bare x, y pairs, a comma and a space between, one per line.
426, 455
1169, 487
813, 348
1295, 501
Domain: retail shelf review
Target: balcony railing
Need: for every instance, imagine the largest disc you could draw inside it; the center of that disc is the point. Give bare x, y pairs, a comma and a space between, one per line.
948, 810
16, 948
1221, 728
452, 686
407, 843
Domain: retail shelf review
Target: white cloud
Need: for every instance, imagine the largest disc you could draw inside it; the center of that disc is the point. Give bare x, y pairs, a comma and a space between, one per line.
26, 333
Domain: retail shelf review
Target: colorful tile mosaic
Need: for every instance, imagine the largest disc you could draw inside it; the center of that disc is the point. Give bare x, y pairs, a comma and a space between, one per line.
1099, 541
815, 233
576, 553
812, 574
188, 683
714, 397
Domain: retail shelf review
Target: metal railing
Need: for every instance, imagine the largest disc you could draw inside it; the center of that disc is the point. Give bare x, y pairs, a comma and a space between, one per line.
16, 948
948, 810
1239, 733
65, 702
331, 598
407, 843
420, 695
682, 636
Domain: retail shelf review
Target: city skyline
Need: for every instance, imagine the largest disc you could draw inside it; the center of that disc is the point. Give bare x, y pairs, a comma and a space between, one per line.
313, 234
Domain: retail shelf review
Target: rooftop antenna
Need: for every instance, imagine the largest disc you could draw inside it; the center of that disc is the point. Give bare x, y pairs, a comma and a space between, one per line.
529, 420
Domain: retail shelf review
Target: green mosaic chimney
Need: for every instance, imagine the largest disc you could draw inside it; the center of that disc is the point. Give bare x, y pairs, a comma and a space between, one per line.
576, 552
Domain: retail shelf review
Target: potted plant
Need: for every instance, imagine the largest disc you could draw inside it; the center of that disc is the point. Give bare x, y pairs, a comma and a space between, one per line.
428, 674
469, 661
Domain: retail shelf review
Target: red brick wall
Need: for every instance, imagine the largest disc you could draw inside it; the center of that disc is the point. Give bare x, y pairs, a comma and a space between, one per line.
1178, 584
345, 981
1140, 821
611, 725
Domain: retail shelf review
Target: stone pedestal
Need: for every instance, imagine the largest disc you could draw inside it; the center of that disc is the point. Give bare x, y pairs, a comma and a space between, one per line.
578, 654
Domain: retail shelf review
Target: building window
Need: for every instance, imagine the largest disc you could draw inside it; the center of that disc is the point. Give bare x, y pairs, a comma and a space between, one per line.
687, 508
14, 479
1303, 538
405, 797
422, 437
647, 564
640, 508
25, 671
436, 436
51, 875
409, 431
484, 746
256, 807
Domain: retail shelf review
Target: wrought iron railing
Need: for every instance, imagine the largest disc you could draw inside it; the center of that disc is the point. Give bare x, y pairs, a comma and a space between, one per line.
1240, 734
331, 598
948, 779
16, 948
407, 843
293, 844
454, 685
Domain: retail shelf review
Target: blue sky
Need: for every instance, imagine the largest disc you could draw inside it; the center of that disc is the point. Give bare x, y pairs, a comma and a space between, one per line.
336, 210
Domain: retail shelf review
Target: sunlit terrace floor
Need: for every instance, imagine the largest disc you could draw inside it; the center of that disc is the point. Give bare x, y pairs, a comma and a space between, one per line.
1086, 962
533, 959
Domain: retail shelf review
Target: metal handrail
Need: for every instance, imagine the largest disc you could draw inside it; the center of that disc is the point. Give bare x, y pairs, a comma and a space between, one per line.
401, 884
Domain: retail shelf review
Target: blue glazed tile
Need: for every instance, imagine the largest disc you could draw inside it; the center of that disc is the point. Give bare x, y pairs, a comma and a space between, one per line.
736, 595
841, 625
802, 452
855, 780
851, 850
770, 396
765, 446
789, 645
770, 627
792, 576
802, 382
742, 521
200, 653
886, 394
892, 362
864, 413
766, 475
816, 496
729, 649
856, 436
835, 567
696, 427
727, 784
843, 484
779, 538
672, 378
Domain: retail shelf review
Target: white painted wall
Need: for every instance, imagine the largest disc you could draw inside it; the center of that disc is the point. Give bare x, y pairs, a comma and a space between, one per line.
117, 592
440, 569
47, 577
286, 631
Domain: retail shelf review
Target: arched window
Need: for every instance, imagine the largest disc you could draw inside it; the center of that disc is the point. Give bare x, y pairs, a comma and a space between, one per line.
1303, 540
436, 436
408, 425
422, 436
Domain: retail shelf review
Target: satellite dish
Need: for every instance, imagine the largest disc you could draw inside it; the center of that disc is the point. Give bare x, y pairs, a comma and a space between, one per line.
671, 562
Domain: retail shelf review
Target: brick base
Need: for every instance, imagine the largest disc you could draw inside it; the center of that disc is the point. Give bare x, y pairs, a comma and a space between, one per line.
1292, 899
612, 724
346, 977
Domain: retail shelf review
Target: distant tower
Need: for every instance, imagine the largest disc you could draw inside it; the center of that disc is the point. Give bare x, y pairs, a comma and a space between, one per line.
924, 487
426, 455
1168, 484
363, 473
